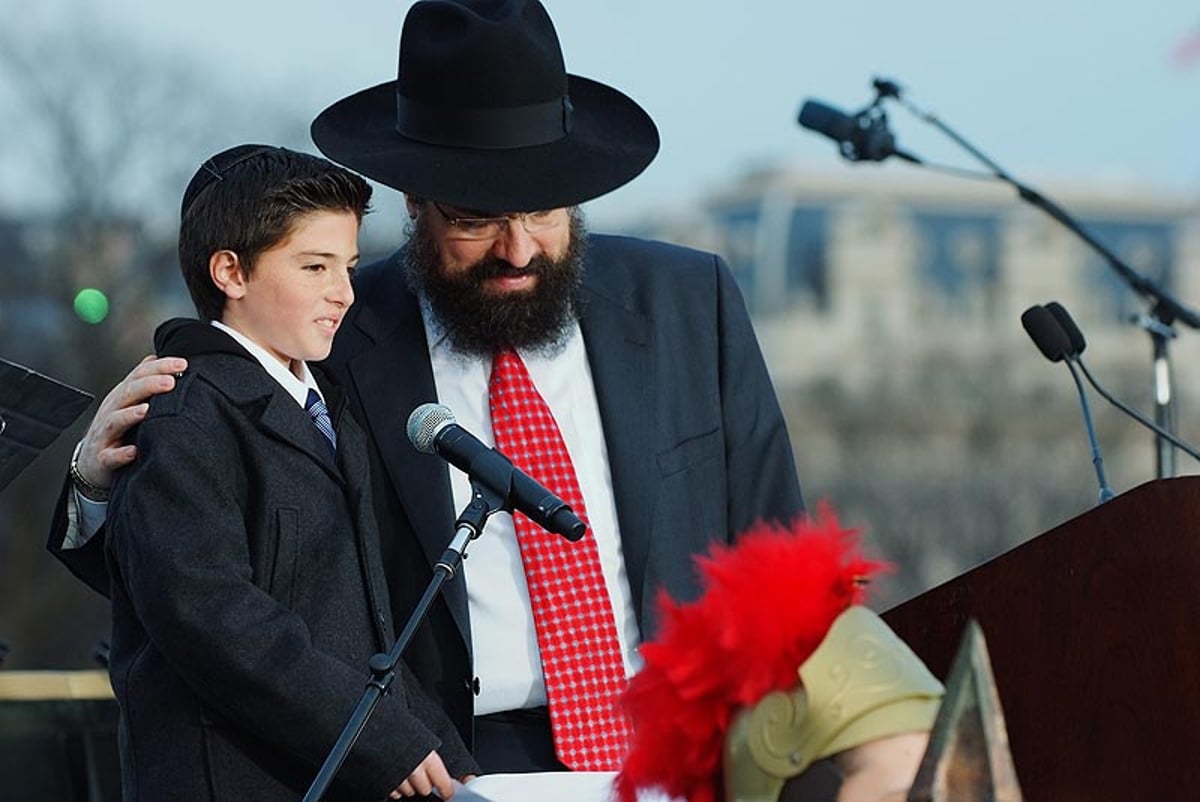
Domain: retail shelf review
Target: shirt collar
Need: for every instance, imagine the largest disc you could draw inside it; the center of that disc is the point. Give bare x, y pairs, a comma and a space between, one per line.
296, 388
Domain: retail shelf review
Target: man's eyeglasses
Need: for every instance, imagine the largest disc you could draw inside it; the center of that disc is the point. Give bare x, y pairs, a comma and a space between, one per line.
484, 228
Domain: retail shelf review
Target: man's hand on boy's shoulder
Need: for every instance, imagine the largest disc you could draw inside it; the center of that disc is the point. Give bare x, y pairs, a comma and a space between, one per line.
103, 450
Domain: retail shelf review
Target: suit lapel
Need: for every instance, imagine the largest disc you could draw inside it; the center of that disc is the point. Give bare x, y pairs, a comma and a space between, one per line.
618, 342
421, 481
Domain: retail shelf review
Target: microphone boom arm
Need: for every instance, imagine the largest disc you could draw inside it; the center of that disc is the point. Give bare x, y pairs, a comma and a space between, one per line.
1165, 308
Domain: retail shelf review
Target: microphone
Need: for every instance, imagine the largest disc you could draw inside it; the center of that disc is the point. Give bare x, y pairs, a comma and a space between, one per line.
433, 430
1046, 333
1055, 345
1074, 336
861, 137
1076, 345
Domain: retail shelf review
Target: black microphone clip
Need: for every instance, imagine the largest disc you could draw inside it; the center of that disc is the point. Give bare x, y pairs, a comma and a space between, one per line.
875, 141
886, 87
862, 136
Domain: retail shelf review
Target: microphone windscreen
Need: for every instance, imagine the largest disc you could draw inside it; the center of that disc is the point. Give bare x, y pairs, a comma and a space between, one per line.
1074, 335
836, 125
1046, 333
424, 424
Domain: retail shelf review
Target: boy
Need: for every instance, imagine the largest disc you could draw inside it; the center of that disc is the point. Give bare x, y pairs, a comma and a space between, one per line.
247, 587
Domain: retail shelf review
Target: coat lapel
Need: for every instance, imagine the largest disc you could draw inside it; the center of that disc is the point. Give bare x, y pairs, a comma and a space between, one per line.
421, 481
280, 418
264, 401
352, 459
618, 342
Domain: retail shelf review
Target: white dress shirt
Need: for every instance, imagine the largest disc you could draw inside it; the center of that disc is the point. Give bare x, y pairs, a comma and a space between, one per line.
504, 642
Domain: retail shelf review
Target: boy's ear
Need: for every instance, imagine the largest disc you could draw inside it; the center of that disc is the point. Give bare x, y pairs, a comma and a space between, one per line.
225, 269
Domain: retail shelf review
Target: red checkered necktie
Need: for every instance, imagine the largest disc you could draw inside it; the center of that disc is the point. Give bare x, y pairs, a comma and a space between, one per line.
576, 632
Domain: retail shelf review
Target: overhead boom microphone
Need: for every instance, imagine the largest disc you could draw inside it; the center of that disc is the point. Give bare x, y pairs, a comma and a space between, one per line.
861, 137
433, 430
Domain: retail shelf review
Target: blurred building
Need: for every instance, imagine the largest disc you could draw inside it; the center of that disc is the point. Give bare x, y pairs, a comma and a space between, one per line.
888, 306
838, 266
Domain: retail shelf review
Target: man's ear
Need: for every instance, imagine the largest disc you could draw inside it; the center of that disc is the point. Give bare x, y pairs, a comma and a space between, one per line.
225, 270
414, 206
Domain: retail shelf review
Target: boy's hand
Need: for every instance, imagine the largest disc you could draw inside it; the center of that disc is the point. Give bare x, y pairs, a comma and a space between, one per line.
429, 776
104, 452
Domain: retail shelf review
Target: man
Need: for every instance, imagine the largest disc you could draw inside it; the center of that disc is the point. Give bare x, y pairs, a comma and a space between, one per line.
652, 381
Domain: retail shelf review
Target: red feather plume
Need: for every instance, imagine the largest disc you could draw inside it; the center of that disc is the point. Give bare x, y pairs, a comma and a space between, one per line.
768, 601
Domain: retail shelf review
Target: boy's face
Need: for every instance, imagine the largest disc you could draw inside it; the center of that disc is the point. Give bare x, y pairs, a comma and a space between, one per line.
294, 298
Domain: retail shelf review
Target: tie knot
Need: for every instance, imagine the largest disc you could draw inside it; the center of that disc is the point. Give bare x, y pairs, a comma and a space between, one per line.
319, 413
507, 363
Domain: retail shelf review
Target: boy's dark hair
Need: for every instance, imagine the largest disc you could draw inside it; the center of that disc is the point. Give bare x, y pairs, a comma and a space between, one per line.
246, 200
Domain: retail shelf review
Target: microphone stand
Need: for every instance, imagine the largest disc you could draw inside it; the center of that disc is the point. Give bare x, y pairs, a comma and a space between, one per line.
1106, 492
1165, 308
469, 526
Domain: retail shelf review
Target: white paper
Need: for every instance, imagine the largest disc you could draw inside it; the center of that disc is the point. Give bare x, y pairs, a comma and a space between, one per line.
552, 786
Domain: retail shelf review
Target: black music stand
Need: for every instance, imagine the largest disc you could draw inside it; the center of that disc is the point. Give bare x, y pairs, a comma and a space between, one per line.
34, 411
53, 745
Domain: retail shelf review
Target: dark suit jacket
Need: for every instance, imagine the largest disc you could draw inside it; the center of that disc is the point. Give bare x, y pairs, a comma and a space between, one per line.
248, 595
696, 441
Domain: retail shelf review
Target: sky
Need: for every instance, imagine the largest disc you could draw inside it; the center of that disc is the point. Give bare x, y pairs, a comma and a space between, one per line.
1063, 90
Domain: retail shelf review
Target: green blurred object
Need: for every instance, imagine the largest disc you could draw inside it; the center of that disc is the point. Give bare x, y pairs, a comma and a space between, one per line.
91, 305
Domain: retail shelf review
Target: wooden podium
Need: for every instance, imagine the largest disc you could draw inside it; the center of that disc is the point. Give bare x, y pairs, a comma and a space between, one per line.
58, 737
1094, 634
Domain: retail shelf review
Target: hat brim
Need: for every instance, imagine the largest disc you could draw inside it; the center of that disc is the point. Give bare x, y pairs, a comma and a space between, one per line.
611, 140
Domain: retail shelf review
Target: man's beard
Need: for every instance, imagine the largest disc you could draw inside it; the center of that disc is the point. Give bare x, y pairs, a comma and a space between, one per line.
481, 322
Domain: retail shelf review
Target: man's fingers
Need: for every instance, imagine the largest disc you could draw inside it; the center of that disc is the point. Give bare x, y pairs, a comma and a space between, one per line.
152, 375
138, 387
104, 450
113, 459
151, 365
116, 424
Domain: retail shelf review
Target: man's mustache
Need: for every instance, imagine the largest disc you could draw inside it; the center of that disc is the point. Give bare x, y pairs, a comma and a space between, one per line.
493, 267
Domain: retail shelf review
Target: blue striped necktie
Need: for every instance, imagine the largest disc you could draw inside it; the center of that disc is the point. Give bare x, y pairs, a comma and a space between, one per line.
317, 410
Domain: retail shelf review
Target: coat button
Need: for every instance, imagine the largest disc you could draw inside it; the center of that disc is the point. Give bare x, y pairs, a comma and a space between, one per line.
472, 685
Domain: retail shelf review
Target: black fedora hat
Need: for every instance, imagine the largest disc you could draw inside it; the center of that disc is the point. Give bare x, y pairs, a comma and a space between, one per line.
483, 115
